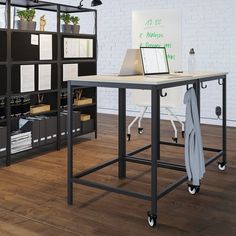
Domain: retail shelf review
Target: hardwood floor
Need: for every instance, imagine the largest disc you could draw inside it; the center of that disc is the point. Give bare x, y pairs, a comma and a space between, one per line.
33, 192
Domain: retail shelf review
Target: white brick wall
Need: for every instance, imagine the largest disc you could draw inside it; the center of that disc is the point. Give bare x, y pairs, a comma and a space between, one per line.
208, 26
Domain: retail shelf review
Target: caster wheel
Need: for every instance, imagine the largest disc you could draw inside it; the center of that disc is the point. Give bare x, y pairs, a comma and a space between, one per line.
128, 137
193, 189
140, 130
221, 166
175, 140
183, 134
152, 220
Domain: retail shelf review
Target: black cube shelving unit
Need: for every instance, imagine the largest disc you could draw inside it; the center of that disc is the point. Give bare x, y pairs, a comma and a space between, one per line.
16, 50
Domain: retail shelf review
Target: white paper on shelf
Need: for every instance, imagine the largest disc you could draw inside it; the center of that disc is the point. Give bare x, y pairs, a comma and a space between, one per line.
78, 48
34, 39
45, 77
90, 48
45, 48
71, 48
70, 72
26, 78
83, 47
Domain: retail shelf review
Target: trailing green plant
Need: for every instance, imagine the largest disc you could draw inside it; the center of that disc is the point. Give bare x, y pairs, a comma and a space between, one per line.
75, 20
66, 18
22, 14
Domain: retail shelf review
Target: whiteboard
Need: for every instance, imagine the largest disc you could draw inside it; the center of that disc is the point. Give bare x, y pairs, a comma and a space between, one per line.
159, 28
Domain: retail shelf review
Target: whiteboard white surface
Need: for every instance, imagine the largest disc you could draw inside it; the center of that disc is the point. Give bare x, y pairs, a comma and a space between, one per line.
159, 28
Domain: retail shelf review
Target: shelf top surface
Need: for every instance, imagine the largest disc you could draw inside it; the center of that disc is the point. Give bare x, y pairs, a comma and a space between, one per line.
44, 5
146, 80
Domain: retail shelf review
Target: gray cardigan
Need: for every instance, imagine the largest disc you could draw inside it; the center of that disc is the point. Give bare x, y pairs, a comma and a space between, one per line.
194, 157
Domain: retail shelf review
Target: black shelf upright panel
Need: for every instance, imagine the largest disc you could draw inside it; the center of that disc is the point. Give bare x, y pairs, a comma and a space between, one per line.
9, 66
58, 76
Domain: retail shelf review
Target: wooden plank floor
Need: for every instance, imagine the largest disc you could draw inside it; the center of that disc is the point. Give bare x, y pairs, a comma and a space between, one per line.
33, 192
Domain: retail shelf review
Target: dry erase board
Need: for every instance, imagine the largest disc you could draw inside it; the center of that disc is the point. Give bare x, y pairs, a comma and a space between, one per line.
159, 28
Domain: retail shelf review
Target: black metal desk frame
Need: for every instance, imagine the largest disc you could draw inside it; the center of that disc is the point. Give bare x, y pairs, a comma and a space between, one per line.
123, 157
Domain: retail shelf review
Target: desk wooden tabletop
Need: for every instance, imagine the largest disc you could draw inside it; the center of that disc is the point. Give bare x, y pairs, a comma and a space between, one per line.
150, 79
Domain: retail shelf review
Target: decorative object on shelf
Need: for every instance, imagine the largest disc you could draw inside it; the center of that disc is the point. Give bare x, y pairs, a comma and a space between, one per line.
2, 108
63, 100
75, 26
25, 105
79, 100
15, 106
85, 117
40, 108
42, 23
78, 94
26, 19
66, 28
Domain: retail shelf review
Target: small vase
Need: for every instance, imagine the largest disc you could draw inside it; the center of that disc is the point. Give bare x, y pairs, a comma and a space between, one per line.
75, 29
32, 25
66, 29
22, 25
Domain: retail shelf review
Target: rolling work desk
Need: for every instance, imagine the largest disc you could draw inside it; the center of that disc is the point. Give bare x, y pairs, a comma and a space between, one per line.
155, 84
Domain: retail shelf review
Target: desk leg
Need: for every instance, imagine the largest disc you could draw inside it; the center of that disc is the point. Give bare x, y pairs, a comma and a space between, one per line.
122, 133
155, 139
70, 145
197, 89
224, 121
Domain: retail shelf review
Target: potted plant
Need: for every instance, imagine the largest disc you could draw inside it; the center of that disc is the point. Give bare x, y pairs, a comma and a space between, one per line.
26, 19
22, 24
66, 28
75, 26
30, 18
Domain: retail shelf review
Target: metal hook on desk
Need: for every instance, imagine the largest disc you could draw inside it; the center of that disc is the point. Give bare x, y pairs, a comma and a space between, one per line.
203, 86
220, 81
163, 95
187, 87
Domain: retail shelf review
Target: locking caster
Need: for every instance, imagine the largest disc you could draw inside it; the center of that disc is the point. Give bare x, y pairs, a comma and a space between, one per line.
193, 189
175, 140
222, 165
128, 137
140, 130
152, 220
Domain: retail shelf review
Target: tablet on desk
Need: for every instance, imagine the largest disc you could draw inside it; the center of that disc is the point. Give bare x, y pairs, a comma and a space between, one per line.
155, 63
